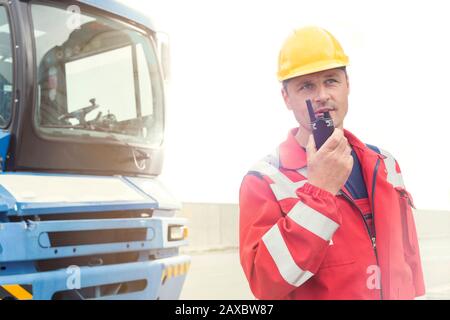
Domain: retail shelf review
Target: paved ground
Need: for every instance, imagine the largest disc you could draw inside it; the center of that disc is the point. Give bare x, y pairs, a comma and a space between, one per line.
218, 275
435, 253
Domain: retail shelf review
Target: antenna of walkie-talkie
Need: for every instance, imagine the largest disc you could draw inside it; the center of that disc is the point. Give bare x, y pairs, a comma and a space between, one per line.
312, 116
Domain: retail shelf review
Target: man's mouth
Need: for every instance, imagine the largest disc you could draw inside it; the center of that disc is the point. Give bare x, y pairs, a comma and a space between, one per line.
319, 112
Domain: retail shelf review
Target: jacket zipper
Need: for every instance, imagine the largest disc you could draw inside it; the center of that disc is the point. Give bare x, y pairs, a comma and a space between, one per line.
375, 171
372, 237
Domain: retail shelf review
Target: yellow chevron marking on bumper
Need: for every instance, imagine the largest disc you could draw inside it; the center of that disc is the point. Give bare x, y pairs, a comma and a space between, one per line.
18, 292
175, 270
169, 272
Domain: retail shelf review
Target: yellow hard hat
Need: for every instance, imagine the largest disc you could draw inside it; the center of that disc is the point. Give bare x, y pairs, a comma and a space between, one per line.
309, 50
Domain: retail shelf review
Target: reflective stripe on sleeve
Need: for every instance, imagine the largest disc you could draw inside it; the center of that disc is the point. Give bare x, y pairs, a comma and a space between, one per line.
313, 221
286, 265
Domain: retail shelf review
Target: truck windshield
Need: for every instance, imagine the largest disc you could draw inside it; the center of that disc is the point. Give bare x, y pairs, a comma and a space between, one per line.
97, 78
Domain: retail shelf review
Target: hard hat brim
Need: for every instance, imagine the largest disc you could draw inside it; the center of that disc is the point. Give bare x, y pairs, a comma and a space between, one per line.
313, 68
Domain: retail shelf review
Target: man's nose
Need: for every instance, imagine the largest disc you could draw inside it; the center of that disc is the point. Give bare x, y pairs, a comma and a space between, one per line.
322, 96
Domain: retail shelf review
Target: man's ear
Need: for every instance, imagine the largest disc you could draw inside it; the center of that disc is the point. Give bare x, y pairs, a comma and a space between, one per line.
286, 99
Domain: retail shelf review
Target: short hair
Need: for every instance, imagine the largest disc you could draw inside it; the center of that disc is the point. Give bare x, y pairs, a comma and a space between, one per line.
285, 82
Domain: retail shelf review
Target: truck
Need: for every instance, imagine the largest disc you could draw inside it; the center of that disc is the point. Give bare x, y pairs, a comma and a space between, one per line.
83, 214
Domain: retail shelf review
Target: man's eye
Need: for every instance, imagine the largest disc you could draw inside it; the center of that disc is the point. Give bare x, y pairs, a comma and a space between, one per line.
330, 81
306, 86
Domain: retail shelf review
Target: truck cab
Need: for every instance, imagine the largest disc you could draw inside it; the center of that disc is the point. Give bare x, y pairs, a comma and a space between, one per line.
82, 212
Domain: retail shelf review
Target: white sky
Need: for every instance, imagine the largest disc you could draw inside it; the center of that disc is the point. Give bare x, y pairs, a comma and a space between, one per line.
225, 109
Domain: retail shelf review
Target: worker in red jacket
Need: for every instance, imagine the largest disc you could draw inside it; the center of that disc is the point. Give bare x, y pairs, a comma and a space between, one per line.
332, 223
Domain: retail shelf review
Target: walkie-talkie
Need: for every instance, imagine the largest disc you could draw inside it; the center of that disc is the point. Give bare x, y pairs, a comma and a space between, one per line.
322, 126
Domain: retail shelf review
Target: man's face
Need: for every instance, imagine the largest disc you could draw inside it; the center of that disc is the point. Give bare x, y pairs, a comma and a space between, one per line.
328, 91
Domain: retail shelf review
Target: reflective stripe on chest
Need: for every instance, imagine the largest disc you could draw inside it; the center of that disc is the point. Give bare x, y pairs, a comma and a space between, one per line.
393, 177
282, 186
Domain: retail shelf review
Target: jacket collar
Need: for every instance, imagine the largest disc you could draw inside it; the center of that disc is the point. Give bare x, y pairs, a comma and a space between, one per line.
293, 155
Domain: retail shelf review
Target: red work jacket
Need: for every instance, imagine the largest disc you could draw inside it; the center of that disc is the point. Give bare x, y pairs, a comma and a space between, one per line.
298, 241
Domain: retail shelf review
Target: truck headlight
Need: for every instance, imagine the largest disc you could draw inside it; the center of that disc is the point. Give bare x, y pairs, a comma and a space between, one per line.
177, 232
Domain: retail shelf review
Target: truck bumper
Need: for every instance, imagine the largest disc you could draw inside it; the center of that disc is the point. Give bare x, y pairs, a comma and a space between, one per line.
163, 279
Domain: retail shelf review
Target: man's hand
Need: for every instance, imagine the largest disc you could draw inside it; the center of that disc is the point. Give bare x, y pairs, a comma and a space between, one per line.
330, 166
